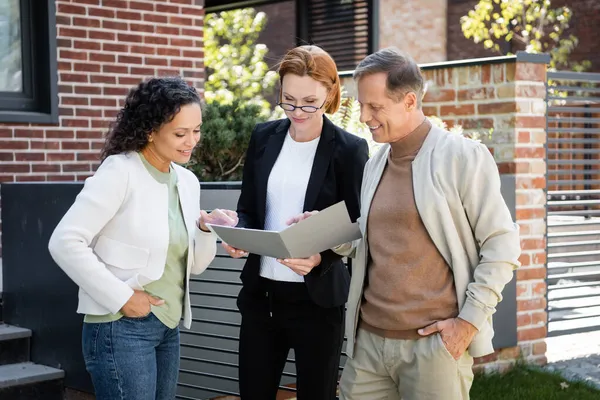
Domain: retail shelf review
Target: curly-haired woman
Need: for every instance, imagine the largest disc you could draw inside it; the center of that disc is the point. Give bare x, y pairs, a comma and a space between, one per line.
133, 237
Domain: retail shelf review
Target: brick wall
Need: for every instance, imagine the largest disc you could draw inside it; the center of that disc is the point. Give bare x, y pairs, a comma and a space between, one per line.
104, 48
417, 27
584, 24
508, 97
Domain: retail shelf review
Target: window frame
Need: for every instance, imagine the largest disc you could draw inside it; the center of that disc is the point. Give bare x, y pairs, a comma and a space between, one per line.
215, 6
38, 100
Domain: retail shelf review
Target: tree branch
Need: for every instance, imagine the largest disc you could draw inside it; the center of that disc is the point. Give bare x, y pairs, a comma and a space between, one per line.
520, 38
230, 171
543, 12
220, 166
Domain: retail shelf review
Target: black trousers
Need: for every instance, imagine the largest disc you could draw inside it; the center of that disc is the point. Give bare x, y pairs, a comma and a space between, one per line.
277, 317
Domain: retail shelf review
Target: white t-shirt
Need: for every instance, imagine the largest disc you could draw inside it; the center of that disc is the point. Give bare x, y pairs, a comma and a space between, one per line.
286, 190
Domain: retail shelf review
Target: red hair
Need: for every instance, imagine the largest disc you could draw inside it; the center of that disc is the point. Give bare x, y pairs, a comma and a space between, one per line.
318, 64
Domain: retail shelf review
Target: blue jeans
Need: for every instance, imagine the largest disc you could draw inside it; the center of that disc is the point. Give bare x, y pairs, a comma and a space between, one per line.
132, 358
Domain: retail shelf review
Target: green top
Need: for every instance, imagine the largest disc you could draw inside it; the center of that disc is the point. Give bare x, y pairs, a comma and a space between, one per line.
171, 285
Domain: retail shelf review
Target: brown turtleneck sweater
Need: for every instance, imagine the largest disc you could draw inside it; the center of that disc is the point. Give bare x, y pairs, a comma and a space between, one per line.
409, 285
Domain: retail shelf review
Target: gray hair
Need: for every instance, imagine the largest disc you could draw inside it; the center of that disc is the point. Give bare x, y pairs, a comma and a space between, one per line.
403, 73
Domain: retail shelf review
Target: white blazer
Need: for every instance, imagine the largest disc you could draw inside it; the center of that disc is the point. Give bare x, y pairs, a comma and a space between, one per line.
115, 237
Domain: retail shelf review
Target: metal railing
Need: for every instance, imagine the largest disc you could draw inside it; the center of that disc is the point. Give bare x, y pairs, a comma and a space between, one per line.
573, 207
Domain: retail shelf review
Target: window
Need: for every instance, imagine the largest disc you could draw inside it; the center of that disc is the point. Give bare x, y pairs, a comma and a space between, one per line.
346, 29
10, 47
28, 77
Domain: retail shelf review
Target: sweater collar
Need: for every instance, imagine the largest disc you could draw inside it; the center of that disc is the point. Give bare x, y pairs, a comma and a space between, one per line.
412, 142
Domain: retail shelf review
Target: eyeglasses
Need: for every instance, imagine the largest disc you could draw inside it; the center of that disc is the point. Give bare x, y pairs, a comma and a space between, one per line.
306, 109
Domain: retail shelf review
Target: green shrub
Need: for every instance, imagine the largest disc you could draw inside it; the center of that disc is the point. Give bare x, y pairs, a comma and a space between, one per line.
226, 133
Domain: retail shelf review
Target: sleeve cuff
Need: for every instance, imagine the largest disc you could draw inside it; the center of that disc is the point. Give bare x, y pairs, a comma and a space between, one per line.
204, 233
120, 299
473, 314
202, 237
344, 250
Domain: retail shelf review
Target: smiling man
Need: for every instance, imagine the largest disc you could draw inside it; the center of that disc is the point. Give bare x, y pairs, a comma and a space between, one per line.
438, 247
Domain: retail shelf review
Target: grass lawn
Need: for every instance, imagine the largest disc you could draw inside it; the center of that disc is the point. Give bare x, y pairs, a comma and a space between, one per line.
530, 383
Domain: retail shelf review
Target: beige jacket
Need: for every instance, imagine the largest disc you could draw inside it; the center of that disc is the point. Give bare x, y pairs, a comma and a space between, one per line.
457, 193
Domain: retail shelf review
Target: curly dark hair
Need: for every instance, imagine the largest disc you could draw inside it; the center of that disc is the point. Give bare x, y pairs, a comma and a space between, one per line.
147, 107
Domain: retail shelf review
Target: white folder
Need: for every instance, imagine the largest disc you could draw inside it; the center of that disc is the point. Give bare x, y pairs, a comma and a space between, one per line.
324, 230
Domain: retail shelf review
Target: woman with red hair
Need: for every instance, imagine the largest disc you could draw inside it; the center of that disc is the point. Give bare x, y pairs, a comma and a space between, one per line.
293, 165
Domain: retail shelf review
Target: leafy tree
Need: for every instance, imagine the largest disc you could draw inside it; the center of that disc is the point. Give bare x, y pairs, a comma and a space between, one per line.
235, 63
238, 80
533, 25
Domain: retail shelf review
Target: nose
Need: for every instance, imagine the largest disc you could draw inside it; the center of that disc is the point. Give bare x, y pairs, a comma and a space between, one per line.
365, 116
297, 112
192, 140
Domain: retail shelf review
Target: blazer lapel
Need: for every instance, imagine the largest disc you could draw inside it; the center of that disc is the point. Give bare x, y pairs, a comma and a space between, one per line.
272, 150
190, 216
185, 206
320, 164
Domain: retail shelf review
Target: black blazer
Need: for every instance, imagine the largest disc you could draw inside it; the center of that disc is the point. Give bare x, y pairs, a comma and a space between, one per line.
336, 175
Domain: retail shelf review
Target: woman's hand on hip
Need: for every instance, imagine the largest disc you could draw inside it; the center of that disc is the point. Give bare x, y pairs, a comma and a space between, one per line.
217, 217
139, 304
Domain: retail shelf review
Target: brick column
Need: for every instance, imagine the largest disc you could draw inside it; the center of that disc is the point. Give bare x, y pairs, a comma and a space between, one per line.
530, 171
507, 94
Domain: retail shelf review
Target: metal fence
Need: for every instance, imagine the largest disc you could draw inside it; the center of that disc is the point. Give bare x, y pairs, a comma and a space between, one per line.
573, 208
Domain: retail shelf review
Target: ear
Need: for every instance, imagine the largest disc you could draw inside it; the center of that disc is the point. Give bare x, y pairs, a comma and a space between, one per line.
410, 101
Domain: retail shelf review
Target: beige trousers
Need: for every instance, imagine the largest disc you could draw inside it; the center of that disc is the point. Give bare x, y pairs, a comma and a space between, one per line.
393, 369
